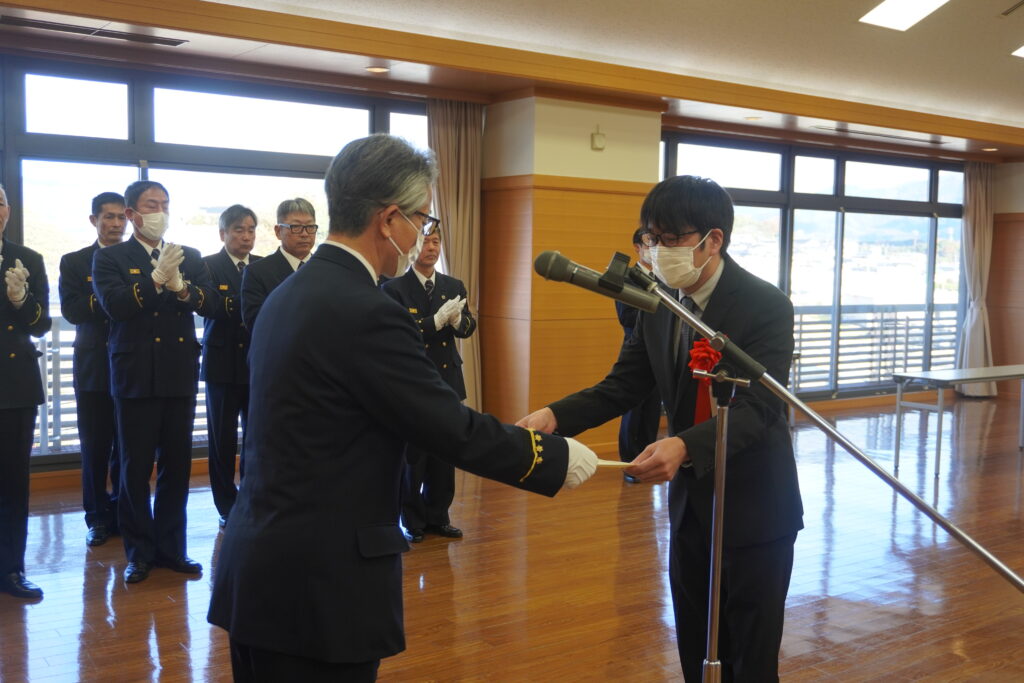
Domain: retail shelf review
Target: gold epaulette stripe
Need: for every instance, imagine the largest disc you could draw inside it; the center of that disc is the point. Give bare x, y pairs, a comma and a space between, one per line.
537, 448
92, 298
227, 300
200, 297
39, 314
135, 293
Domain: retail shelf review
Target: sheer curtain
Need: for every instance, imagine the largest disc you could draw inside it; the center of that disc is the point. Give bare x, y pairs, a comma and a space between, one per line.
975, 338
455, 133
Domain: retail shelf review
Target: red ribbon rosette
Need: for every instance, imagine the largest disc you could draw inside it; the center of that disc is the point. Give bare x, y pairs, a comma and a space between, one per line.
704, 357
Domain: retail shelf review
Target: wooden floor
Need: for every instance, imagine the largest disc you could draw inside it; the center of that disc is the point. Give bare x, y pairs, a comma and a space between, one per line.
576, 588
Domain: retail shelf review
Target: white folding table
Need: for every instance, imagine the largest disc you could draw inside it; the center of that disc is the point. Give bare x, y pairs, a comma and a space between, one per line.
943, 379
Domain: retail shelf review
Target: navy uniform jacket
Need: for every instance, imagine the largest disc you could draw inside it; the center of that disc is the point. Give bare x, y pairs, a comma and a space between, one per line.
440, 344
342, 386
258, 281
225, 337
79, 307
20, 383
153, 347
762, 499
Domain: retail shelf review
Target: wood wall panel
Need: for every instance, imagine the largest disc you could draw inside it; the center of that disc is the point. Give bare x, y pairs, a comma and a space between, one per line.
505, 355
1005, 296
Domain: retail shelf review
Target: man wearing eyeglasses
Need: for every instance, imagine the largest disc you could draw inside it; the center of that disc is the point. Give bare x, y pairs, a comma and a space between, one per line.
687, 225
309, 577
438, 304
296, 228
225, 368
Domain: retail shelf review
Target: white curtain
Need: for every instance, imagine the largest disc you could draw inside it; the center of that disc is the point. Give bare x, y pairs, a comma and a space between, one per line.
975, 337
455, 133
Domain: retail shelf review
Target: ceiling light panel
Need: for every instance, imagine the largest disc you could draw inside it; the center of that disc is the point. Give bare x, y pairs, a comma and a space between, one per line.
901, 14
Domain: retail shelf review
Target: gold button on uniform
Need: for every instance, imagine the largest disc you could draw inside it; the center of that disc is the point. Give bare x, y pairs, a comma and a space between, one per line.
444, 365
241, 346
444, 343
181, 339
157, 339
13, 355
156, 314
10, 328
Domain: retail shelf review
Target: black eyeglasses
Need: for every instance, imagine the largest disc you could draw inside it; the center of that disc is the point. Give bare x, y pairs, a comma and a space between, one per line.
666, 239
431, 224
299, 228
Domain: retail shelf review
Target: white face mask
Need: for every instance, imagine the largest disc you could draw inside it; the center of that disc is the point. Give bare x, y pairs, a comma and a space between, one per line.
407, 258
154, 225
674, 265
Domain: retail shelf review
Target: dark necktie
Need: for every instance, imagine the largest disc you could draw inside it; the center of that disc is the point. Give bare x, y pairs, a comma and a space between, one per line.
428, 286
155, 254
241, 267
301, 263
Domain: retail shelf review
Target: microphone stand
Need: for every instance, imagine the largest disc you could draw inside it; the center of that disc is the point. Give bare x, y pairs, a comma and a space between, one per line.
748, 367
723, 389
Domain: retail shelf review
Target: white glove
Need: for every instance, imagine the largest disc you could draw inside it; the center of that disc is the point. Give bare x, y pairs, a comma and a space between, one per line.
176, 283
16, 279
444, 313
166, 267
582, 464
455, 319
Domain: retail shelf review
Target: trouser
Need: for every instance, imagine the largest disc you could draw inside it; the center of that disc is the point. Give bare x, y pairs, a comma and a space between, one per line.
428, 488
16, 436
226, 404
755, 580
97, 430
160, 430
256, 665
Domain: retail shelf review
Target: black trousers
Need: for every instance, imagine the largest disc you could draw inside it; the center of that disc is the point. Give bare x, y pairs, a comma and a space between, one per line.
160, 430
97, 429
255, 665
16, 435
428, 488
226, 405
755, 581
639, 427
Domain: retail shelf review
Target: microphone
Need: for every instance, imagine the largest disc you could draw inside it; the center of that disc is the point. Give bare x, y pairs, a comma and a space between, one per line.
551, 265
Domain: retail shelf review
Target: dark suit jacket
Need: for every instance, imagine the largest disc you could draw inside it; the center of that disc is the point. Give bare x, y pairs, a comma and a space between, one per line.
225, 337
440, 344
343, 383
20, 383
258, 281
79, 307
153, 347
762, 500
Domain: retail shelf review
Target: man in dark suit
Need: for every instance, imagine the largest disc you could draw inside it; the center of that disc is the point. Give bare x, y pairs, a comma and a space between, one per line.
225, 368
688, 223
438, 304
343, 383
150, 289
639, 426
296, 228
97, 425
24, 313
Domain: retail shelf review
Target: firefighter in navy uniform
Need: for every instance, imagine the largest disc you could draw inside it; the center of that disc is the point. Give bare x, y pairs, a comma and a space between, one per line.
438, 303
97, 424
24, 313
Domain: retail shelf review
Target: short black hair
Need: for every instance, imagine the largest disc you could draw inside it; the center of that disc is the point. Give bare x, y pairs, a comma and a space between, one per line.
638, 235
688, 202
135, 190
105, 198
234, 214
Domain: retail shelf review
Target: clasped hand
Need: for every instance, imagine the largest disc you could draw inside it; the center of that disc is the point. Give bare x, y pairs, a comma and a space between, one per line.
450, 313
16, 279
166, 273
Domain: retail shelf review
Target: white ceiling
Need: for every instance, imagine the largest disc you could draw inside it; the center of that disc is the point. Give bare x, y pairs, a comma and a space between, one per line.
956, 62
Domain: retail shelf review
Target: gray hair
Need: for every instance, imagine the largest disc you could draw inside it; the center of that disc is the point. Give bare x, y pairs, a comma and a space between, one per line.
375, 172
297, 205
235, 213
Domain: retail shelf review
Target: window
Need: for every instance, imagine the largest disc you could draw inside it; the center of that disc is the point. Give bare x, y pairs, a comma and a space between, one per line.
872, 263
886, 181
213, 120
742, 168
72, 106
212, 143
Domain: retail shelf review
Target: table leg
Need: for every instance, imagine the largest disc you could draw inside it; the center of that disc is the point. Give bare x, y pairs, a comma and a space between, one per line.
938, 433
899, 427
